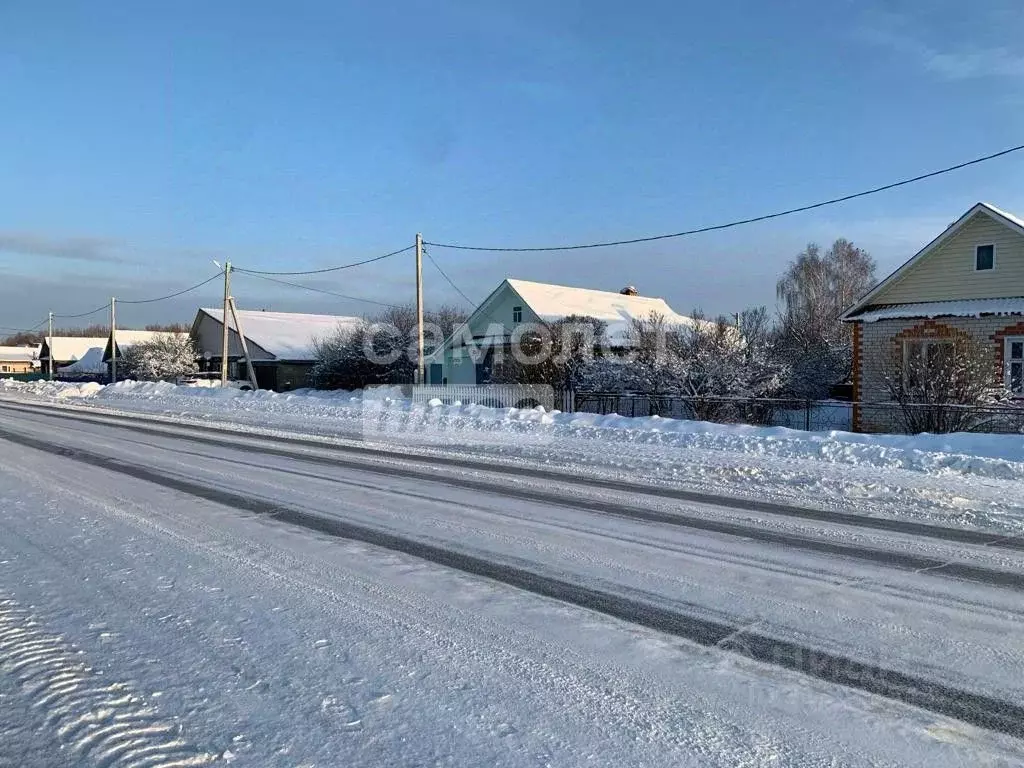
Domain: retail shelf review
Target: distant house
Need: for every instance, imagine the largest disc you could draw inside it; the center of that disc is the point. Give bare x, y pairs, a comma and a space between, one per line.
966, 283
18, 360
516, 302
280, 344
66, 350
126, 339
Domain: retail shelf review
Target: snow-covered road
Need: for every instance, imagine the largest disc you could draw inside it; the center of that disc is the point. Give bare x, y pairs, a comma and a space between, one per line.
175, 596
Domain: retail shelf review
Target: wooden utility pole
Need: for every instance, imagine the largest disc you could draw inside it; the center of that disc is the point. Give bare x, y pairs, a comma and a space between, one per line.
49, 345
113, 340
224, 318
245, 347
420, 371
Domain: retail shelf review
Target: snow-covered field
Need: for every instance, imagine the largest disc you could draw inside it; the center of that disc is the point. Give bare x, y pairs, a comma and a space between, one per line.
173, 597
962, 479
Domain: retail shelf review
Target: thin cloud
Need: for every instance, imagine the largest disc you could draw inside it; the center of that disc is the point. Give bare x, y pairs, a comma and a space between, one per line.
75, 248
963, 64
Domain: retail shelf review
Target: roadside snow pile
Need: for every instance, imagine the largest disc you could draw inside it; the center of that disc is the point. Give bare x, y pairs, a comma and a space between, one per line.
979, 454
53, 390
383, 414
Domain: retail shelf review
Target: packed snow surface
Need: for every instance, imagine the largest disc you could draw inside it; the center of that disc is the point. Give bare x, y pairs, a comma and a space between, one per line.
967, 479
152, 615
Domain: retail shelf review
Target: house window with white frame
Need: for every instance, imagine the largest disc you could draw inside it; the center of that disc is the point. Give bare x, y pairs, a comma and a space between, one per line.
517, 314
1013, 357
984, 257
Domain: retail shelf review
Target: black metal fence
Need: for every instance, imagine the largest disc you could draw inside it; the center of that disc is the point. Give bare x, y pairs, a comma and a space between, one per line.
914, 418
815, 415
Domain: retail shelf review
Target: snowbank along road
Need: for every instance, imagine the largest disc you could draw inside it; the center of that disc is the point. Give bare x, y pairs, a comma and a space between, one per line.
964, 480
179, 595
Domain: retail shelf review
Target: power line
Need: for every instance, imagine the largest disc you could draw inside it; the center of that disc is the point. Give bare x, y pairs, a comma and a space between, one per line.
172, 295
326, 269
458, 290
83, 314
141, 301
319, 290
741, 222
448, 279
33, 329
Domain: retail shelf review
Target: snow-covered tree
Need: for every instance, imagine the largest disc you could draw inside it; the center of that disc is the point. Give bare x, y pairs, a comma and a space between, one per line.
935, 382
815, 290
557, 354
380, 350
164, 358
698, 360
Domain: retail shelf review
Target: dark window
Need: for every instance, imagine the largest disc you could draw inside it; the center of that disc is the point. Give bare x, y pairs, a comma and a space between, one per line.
517, 314
985, 257
1015, 365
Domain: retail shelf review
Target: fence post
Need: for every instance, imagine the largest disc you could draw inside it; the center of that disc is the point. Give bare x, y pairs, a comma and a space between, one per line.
807, 415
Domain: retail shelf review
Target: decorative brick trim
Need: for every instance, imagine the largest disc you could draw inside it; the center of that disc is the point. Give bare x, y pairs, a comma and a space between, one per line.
999, 337
930, 329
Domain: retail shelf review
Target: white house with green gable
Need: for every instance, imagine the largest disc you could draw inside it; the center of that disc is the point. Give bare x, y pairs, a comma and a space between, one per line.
466, 357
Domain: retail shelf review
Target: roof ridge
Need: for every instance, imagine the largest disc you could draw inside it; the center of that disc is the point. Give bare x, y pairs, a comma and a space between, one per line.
591, 290
1005, 214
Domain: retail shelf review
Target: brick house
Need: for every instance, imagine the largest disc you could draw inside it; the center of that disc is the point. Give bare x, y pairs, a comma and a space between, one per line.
966, 283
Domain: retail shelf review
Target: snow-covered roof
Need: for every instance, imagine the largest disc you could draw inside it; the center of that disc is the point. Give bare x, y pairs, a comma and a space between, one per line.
286, 335
1008, 216
90, 362
552, 303
19, 354
961, 308
73, 347
128, 338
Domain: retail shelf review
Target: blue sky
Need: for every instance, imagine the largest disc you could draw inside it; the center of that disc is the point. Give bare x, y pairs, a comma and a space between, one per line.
138, 141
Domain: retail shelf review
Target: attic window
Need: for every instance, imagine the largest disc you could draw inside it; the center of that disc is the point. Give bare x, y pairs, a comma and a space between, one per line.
517, 314
984, 257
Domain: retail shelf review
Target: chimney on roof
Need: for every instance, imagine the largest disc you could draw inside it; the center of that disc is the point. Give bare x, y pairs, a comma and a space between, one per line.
630, 290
